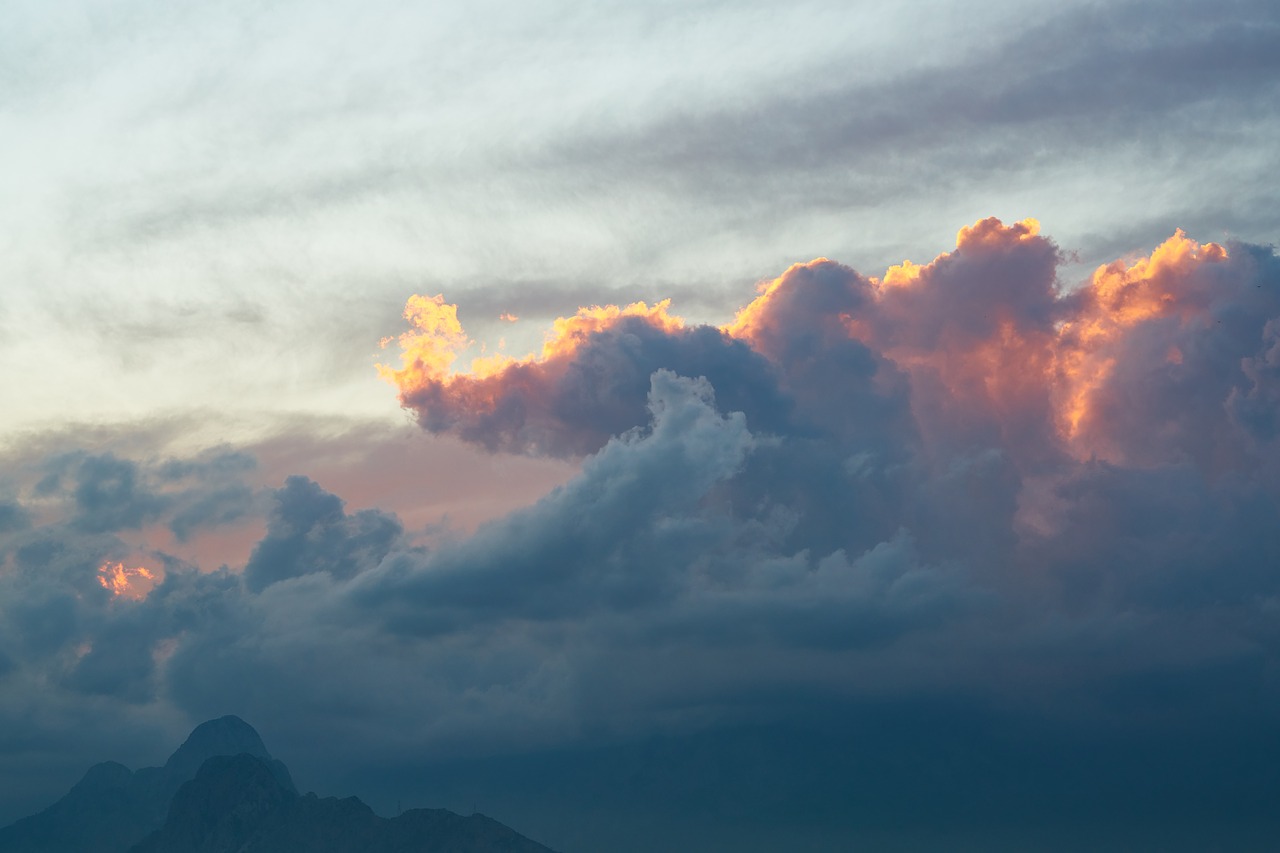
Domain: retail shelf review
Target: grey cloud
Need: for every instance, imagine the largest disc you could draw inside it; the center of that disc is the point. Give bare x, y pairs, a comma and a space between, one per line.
1162, 538
121, 665
1090, 74
573, 405
211, 464
1257, 406
835, 603
106, 493
43, 621
643, 550
13, 517
308, 531
604, 539
212, 509
108, 496
49, 555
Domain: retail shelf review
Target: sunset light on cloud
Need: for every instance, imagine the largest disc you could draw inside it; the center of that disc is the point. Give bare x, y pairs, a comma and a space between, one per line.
130, 582
1019, 345
559, 412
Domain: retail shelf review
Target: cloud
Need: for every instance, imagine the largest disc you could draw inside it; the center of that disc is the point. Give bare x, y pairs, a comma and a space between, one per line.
108, 496
985, 337
105, 493
588, 384
960, 483
13, 517
1083, 95
1024, 446
308, 531
604, 539
1257, 406
211, 509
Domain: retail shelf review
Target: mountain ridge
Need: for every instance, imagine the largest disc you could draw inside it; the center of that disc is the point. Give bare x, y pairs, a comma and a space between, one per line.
221, 791
236, 805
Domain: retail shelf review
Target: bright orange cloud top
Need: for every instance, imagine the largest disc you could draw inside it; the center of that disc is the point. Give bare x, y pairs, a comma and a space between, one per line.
126, 582
984, 337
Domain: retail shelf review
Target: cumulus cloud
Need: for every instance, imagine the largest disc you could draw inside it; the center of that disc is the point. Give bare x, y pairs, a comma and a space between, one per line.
985, 337
588, 384
1083, 451
108, 496
616, 537
308, 531
107, 493
940, 396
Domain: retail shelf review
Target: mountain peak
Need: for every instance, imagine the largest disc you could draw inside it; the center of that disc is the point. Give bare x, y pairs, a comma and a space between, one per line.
105, 776
227, 803
227, 735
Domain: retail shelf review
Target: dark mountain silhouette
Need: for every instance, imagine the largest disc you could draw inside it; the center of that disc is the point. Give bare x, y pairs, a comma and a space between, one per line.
236, 804
222, 791
224, 736
112, 807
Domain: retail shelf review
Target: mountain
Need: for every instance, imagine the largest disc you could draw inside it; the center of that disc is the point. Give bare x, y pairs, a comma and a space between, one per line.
222, 791
236, 804
228, 735
112, 807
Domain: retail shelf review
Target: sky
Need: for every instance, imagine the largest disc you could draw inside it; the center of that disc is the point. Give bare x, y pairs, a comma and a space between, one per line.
697, 425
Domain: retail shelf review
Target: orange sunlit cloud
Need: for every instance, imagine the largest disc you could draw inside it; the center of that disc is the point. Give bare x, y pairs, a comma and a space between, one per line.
1118, 298
753, 315
501, 400
954, 320
133, 582
987, 337
428, 353
1020, 351
985, 334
